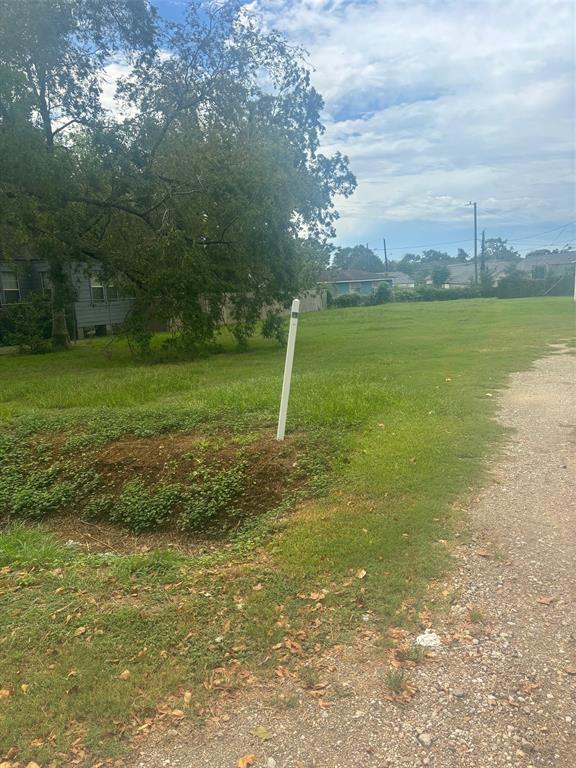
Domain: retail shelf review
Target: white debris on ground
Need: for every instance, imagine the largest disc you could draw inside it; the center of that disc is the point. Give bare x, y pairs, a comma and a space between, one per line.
428, 639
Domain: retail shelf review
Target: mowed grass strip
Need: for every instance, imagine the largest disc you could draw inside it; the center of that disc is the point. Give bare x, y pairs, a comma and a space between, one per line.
401, 390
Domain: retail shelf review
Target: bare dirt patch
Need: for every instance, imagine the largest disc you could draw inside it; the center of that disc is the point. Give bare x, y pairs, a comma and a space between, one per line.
271, 472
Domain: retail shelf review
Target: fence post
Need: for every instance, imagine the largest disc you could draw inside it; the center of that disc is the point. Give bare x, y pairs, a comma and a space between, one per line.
288, 369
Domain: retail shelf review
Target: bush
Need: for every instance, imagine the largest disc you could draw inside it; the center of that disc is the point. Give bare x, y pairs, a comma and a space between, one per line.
429, 293
27, 325
518, 284
404, 294
348, 300
383, 294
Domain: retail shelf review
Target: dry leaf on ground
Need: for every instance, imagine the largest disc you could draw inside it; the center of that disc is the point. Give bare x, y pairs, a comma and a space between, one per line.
245, 761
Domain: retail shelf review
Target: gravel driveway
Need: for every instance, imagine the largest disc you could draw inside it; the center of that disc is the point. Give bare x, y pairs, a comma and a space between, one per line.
501, 689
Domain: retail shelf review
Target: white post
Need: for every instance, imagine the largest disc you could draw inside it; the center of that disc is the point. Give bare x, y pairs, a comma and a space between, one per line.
574, 280
288, 369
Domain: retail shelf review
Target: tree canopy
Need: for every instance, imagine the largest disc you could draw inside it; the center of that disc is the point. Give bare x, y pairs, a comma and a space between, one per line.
495, 248
210, 191
358, 257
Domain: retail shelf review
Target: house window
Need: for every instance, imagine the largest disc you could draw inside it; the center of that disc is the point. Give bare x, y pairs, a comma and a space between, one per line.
46, 284
112, 292
9, 287
97, 290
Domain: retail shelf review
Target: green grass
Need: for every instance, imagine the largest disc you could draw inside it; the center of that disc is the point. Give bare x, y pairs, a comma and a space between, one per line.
399, 392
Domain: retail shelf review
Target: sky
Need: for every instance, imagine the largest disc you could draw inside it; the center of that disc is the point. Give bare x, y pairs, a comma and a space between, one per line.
438, 103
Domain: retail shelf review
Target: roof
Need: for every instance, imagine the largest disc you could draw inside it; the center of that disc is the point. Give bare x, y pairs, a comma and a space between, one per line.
358, 276
462, 273
550, 259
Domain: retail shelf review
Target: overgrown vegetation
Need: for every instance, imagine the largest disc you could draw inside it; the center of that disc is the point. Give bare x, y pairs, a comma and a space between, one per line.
27, 325
98, 645
192, 195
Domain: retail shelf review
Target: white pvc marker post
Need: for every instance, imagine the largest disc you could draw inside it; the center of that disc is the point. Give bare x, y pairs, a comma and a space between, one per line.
288, 369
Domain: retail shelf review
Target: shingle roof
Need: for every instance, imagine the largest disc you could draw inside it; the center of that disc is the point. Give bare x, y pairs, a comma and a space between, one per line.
357, 275
550, 259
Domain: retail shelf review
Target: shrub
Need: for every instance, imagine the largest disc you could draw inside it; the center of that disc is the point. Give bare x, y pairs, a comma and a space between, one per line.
518, 284
27, 325
429, 293
404, 294
348, 300
383, 294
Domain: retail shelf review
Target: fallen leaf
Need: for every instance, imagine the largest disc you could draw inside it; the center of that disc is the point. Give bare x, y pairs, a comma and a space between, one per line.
528, 688
262, 733
546, 600
483, 553
25, 687
187, 697
177, 713
124, 675
243, 762
32, 764
79, 631
4, 693
258, 587
360, 573
570, 670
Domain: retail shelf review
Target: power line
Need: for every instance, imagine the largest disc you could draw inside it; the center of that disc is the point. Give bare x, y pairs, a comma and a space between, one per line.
467, 240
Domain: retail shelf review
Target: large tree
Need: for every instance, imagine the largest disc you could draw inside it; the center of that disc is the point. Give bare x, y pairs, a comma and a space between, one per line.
52, 59
495, 248
212, 191
358, 257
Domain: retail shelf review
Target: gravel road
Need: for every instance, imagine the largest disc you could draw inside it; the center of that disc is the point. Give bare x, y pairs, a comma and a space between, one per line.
501, 689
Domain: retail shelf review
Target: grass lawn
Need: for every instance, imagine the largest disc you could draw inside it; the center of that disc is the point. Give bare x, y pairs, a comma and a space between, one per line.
389, 423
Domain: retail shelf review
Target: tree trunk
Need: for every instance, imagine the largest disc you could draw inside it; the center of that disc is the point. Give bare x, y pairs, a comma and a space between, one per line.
60, 335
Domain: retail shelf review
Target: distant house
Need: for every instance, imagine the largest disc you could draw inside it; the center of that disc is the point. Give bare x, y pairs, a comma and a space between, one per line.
549, 264
537, 265
343, 281
98, 309
462, 275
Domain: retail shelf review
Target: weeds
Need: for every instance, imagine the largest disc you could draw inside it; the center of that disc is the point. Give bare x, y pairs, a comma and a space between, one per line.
396, 680
413, 653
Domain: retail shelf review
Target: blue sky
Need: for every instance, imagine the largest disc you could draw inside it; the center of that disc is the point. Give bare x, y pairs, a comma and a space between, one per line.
439, 102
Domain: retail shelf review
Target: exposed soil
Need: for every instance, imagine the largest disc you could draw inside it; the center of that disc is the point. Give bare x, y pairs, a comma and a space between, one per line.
271, 472
500, 690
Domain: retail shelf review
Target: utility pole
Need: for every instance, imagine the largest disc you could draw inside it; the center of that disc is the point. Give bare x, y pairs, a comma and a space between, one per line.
475, 241
385, 256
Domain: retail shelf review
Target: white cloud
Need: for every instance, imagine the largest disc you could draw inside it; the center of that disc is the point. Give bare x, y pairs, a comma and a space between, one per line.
437, 102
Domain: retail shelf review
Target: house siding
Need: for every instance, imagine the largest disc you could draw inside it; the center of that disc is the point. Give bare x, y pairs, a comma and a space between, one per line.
87, 313
90, 313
